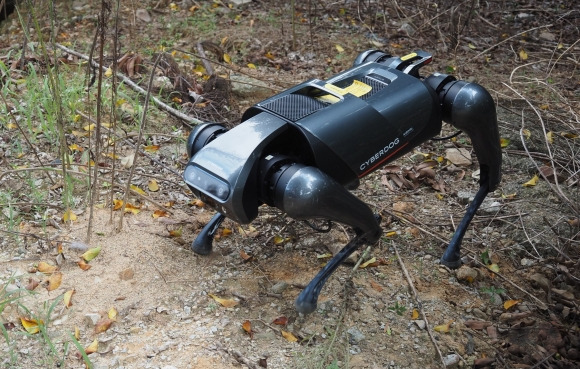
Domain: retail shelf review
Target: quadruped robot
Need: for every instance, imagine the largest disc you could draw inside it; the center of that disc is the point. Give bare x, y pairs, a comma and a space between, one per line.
303, 149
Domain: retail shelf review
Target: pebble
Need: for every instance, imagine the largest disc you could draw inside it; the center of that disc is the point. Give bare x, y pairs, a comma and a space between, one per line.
451, 360
541, 281
355, 335
479, 314
420, 323
92, 318
279, 287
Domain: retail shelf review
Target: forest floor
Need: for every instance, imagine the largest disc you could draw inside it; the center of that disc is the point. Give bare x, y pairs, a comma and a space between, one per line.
78, 288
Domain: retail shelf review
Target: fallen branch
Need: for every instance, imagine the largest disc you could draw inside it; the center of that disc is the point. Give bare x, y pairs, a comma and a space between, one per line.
160, 104
419, 304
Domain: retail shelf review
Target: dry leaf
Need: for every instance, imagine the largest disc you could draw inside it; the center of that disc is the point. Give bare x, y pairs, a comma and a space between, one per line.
443, 328
117, 204
198, 203
32, 284
153, 186
224, 302
251, 66
112, 314
77, 333
54, 281
31, 325
176, 232
477, 324
89, 127
46, 268
127, 161
509, 303
532, 182
138, 190
339, 48
368, 263
376, 286
152, 148
247, 326
227, 58
159, 213
92, 348
494, 268
245, 256
103, 324
67, 299
90, 254
550, 137
289, 336
69, 215
504, 142
282, 320
523, 55
83, 265
415, 314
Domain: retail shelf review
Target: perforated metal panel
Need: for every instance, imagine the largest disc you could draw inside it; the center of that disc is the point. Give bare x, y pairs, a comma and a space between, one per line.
294, 106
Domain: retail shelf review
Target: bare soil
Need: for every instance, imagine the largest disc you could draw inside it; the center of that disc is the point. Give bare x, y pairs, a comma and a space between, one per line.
366, 318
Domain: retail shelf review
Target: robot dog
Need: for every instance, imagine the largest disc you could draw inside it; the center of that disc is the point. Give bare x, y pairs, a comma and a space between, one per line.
303, 149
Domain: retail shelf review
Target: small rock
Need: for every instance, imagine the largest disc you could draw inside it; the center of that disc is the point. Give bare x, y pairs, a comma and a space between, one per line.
407, 29
485, 361
541, 281
143, 15
492, 332
126, 274
420, 323
451, 360
491, 207
465, 197
92, 318
496, 299
573, 354
525, 262
466, 273
479, 314
240, 2
279, 287
355, 336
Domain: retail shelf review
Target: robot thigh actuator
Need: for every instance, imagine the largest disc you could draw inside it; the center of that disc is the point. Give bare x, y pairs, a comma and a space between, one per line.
301, 150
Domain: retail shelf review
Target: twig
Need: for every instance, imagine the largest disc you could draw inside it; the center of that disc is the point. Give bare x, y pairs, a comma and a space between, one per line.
160, 104
506, 40
238, 356
139, 138
528, 238
204, 59
540, 302
557, 190
117, 184
30, 145
142, 152
419, 304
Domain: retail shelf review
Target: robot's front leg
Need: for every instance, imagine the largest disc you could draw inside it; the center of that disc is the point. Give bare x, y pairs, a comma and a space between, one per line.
305, 192
469, 107
202, 244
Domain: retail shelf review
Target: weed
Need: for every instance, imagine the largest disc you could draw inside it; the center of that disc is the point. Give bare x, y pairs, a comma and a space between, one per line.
399, 309
492, 291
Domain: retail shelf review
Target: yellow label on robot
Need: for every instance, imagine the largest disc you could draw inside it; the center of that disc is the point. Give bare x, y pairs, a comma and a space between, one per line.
357, 88
408, 56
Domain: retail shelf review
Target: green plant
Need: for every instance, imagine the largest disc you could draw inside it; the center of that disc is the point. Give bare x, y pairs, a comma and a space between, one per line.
6, 298
492, 291
399, 309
